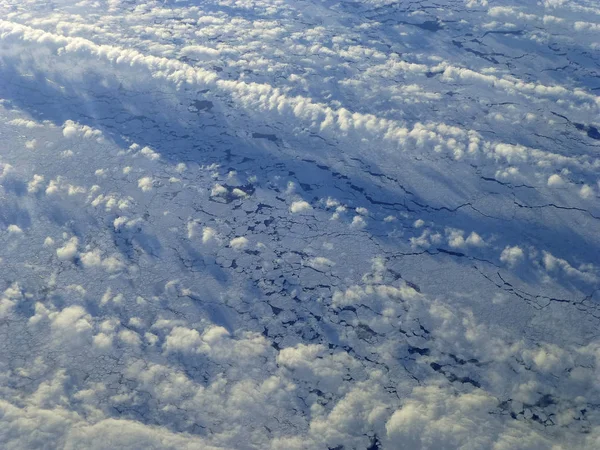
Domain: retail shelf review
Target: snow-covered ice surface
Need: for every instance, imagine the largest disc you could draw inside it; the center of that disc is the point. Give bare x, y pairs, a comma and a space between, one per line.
299, 224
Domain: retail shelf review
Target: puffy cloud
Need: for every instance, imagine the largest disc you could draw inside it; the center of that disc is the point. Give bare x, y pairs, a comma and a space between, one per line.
10, 298
552, 263
364, 408
73, 129
456, 238
14, 229
130, 435
358, 222
238, 243
35, 185
586, 191
146, 184
60, 186
192, 229
94, 258
475, 240
239, 193
512, 255
475, 3
70, 326
218, 190
357, 294
69, 250
103, 341
25, 123
217, 343
91, 259
183, 339
320, 263
436, 417
548, 358
587, 26
300, 206
130, 338
313, 364
208, 235
149, 153
426, 239
199, 52
555, 180
5, 170
113, 201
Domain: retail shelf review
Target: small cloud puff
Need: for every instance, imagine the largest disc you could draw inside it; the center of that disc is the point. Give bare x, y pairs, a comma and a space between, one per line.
68, 251
475, 240
192, 229
73, 129
146, 184
555, 180
59, 185
426, 239
5, 169
25, 123
456, 239
218, 190
320, 263
36, 184
238, 243
239, 193
358, 222
584, 272
149, 153
299, 206
209, 234
94, 258
512, 255
14, 229
586, 191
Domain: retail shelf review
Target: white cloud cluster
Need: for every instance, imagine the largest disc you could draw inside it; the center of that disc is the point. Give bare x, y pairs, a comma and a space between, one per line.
73, 129
456, 238
94, 258
146, 184
585, 271
59, 186
436, 418
426, 239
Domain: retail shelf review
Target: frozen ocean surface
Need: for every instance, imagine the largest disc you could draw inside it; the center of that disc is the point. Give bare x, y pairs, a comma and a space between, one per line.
300, 224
